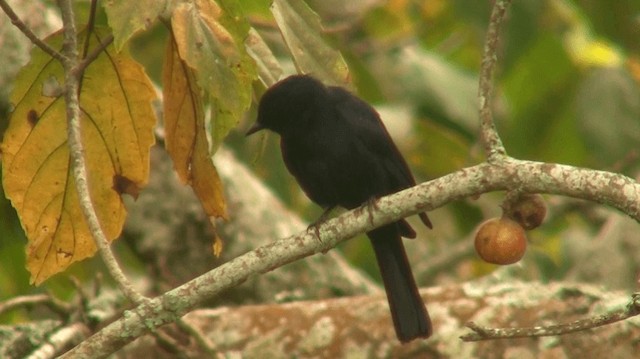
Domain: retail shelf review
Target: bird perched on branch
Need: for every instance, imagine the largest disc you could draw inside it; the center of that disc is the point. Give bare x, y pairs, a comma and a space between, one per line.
339, 151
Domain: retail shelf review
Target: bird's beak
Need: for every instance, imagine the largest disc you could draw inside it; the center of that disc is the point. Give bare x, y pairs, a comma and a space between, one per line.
255, 128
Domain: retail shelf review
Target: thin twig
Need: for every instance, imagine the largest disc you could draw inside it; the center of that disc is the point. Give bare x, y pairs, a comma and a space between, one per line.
72, 80
15, 20
169, 344
455, 253
59, 340
483, 333
90, 27
198, 336
36, 299
82, 65
490, 138
87, 42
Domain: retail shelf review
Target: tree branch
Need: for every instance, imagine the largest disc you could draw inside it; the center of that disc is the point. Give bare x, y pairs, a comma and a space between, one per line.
335, 326
54, 304
479, 333
72, 84
60, 339
490, 138
616, 190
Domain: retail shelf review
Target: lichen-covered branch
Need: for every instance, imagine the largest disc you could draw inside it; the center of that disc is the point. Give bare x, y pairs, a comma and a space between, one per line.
491, 140
337, 327
616, 190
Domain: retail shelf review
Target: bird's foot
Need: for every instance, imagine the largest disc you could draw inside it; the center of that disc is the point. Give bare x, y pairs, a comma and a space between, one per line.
315, 226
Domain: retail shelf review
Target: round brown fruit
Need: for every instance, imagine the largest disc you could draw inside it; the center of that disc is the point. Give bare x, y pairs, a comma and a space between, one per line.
529, 210
501, 241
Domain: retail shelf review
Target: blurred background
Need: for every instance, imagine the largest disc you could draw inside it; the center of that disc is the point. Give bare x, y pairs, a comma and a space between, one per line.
567, 91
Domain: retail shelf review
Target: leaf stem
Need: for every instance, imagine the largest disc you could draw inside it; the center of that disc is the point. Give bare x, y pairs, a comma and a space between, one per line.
90, 27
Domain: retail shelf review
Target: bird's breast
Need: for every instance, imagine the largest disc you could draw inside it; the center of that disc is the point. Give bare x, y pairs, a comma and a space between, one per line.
332, 173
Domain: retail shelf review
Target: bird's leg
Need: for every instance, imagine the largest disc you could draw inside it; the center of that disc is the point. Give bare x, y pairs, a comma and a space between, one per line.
323, 217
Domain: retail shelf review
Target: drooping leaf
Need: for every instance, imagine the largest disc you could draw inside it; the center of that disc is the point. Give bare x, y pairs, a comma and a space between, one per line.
302, 32
268, 66
210, 39
186, 137
205, 180
128, 17
117, 131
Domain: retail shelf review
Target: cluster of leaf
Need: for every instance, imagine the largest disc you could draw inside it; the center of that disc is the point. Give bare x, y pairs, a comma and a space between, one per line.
207, 67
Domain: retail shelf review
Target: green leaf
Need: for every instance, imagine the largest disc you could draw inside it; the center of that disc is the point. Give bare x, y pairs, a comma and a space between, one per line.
268, 65
128, 17
301, 30
210, 39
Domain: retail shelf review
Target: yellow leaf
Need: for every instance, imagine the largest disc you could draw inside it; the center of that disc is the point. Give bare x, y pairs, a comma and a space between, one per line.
186, 137
117, 131
182, 104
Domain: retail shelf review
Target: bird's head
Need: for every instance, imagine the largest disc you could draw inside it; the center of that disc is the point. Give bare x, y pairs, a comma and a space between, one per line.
288, 101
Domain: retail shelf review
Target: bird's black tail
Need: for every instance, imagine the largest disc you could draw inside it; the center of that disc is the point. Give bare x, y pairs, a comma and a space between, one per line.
410, 317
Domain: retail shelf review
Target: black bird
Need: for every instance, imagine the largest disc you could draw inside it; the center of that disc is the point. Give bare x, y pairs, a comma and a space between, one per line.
341, 154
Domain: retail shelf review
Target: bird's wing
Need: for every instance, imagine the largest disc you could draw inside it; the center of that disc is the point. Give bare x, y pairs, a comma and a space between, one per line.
371, 132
